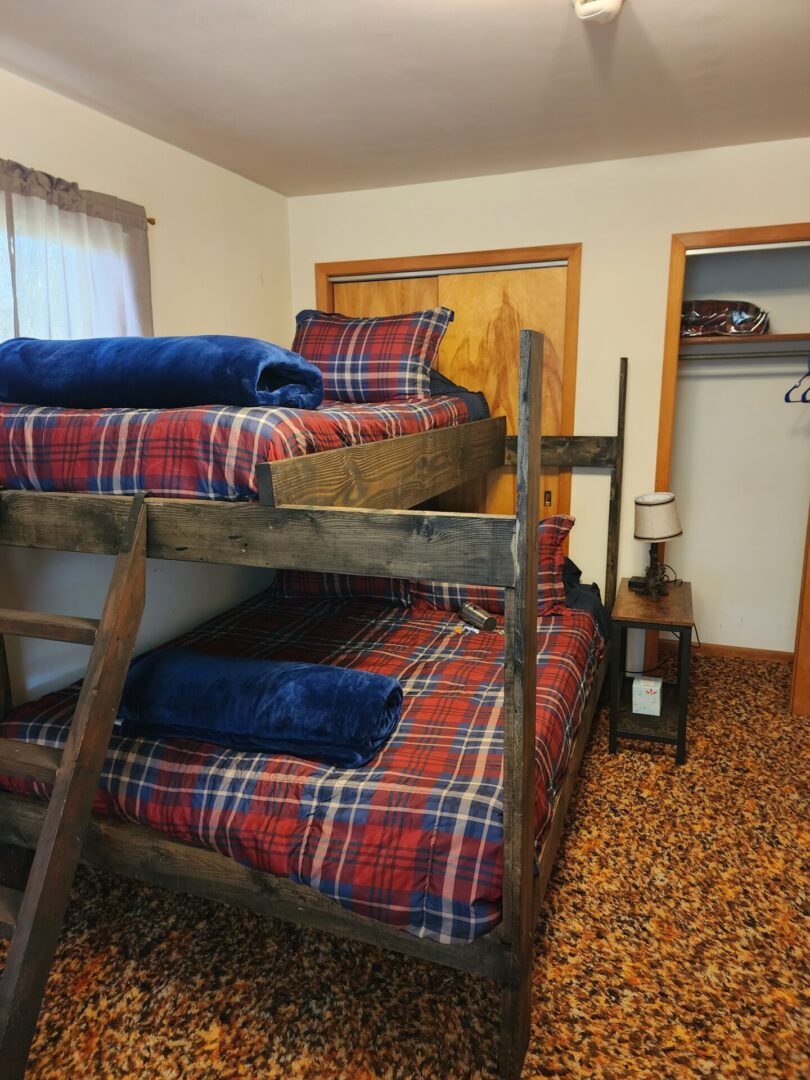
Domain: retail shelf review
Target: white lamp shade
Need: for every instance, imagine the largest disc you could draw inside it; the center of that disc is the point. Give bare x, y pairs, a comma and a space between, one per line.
657, 517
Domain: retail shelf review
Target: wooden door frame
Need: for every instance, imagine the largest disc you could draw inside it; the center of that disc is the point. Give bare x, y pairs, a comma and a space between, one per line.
682, 243
800, 683
463, 260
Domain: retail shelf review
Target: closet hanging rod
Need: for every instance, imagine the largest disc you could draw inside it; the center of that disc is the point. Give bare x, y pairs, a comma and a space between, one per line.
764, 354
734, 249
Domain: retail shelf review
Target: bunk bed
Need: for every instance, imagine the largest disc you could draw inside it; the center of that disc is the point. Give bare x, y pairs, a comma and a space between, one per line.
349, 511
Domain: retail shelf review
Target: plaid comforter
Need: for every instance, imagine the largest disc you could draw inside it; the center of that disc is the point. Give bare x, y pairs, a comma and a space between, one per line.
203, 452
414, 838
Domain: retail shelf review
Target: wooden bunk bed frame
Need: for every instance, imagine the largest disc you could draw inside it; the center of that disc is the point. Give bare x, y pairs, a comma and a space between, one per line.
312, 513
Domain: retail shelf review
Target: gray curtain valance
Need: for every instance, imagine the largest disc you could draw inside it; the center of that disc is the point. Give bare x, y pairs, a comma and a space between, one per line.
20, 180
101, 286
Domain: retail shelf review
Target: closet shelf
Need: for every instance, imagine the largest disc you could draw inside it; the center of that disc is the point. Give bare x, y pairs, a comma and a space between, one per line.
739, 339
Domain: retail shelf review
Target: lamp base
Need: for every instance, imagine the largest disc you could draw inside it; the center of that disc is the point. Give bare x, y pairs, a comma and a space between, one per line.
654, 577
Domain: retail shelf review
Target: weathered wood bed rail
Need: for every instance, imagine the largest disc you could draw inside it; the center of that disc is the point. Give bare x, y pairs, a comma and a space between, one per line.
395, 473
398, 542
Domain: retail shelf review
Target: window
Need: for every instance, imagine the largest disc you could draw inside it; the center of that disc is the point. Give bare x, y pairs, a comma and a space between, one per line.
73, 263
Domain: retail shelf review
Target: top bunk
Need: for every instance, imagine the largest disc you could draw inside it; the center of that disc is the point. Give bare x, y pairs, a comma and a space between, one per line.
211, 452
347, 510
194, 417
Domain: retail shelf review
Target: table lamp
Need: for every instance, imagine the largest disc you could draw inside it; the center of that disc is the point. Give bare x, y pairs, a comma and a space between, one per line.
656, 520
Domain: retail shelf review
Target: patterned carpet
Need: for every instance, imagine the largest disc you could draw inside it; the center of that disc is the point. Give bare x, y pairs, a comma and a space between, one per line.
670, 944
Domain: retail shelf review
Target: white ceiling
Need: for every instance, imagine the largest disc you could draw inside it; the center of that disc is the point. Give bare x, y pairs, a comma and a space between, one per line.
326, 95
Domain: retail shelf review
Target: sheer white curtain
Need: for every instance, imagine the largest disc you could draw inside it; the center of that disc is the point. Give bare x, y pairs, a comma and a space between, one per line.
73, 263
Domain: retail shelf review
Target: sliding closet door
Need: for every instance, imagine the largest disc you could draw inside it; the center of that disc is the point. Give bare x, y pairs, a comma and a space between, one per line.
480, 351
373, 298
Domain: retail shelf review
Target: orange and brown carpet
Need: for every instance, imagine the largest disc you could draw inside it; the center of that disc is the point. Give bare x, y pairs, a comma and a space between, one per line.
671, 942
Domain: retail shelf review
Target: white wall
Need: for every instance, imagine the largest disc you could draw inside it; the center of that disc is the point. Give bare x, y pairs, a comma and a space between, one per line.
220, 263
741, 456
624, 213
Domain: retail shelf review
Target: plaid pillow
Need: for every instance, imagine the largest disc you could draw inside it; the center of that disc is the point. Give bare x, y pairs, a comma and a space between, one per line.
295, 583
551, 534
378, 359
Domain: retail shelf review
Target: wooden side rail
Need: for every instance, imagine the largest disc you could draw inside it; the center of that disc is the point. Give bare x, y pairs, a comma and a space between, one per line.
142, 853
393, 474
571, 451
474, 548
615, 511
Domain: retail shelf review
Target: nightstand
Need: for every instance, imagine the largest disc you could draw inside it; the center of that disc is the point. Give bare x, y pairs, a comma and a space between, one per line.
632, 611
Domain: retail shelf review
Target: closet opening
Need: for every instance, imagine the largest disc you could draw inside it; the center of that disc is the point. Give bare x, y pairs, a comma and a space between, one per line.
734, 452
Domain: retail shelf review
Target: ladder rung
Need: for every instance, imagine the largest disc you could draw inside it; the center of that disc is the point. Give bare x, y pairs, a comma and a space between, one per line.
10, 900
29, 760
54, 627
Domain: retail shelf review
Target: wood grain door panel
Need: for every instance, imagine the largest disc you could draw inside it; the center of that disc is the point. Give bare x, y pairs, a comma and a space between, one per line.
391, 297
481, 346
480, 351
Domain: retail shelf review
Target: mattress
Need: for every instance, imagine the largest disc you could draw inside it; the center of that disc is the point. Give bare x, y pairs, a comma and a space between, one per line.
413, 839
202, 452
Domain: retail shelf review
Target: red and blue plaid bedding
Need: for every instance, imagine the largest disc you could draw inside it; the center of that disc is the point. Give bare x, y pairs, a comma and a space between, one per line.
204, 452
413, 839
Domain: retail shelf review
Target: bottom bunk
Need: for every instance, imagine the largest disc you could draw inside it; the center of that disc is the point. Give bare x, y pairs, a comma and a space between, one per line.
414, 839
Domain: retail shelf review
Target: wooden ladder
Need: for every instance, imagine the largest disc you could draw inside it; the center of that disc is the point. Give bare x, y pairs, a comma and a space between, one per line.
32, 918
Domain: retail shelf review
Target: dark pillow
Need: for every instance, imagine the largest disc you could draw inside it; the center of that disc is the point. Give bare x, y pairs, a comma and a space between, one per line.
445, 596
374, 359
477, 406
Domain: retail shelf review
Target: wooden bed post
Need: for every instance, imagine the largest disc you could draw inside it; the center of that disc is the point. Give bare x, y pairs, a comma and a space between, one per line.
615, 512
5, 681
520, 683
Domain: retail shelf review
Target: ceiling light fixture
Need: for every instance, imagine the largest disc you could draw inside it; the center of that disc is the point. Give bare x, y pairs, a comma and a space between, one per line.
597, 10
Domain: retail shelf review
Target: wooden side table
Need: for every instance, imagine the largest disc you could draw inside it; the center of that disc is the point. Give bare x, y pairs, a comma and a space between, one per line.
634, 611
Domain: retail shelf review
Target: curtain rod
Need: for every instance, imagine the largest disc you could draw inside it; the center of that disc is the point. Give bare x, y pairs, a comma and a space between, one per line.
151, 221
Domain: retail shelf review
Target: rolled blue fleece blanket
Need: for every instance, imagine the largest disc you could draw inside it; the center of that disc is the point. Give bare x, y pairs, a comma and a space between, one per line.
340, 716
156, 373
